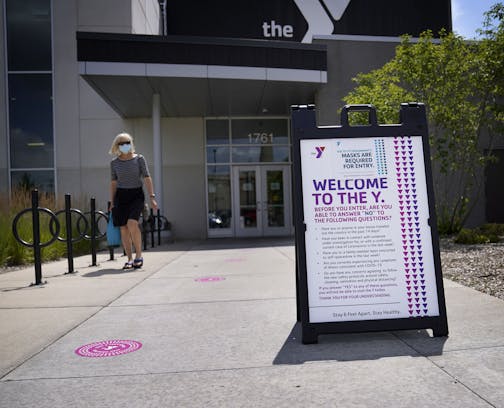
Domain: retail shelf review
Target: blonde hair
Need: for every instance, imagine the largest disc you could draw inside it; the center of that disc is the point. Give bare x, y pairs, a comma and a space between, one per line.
121, 137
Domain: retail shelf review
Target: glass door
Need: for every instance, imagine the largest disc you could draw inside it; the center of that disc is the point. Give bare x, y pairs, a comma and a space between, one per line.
275, 200
261, 200
247, 193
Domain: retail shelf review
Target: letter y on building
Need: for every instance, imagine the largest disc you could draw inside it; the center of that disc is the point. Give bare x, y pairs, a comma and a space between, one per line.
319, 22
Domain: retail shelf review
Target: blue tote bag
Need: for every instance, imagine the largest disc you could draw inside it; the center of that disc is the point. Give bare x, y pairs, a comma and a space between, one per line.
113, 233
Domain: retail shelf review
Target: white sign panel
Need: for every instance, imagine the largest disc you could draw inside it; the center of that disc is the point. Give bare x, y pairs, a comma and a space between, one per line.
368, 241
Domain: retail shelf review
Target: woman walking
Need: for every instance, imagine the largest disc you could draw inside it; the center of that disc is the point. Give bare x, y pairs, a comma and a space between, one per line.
128, 172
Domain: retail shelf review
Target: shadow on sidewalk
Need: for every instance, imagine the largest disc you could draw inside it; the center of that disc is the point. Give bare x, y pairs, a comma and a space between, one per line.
29, 287
356, 346
102, 272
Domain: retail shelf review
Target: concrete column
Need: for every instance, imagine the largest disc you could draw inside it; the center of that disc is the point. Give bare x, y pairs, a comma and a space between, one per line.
156, 147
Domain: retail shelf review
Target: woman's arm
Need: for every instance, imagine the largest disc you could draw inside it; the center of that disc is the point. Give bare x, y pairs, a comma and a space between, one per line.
150, 190
113, 189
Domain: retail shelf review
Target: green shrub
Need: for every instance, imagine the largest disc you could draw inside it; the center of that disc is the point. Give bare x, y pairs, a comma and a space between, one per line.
11, 252
448, 223
492, 229
471, 236
488, 233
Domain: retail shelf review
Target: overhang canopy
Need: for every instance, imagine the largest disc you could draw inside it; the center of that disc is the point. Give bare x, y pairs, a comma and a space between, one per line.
200, 76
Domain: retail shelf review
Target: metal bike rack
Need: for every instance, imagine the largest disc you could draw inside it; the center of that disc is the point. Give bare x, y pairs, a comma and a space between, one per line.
35, 210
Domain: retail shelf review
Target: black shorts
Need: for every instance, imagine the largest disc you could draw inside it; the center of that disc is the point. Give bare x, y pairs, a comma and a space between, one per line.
128, 205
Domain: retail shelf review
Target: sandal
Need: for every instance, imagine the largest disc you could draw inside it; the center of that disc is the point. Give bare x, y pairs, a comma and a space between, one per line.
138, 263
128, 265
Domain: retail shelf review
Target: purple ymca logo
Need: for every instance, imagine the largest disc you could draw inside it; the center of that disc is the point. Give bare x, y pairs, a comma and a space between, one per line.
320, 150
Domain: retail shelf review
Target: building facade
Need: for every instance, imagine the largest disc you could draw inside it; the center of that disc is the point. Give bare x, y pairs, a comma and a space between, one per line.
205, 89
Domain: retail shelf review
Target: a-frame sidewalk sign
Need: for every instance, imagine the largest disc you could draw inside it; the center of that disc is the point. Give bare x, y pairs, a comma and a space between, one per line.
367, 246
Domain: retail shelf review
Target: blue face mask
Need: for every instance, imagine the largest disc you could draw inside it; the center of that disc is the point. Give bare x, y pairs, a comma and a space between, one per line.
125, 148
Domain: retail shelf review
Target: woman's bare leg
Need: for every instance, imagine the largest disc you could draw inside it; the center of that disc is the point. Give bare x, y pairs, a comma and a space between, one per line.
136, 236
126, 241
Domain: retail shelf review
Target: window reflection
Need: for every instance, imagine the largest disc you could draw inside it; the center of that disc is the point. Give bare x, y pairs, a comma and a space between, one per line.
259, 131
219, 197
28, 180
275, 198
248, 195
217, 154
28, 35
29, 62
217, 132
30, 120
261, 154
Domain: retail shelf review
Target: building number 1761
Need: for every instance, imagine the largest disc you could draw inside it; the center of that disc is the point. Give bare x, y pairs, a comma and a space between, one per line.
260, 138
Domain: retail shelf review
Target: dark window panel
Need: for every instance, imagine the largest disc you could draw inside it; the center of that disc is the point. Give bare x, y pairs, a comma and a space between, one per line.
31, 121
29, 35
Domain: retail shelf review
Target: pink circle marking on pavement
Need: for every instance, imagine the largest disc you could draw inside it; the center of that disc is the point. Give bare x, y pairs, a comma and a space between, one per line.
210, 279
108, 348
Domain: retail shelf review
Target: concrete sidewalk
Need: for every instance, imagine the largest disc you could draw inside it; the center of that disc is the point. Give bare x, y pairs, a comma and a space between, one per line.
217, 325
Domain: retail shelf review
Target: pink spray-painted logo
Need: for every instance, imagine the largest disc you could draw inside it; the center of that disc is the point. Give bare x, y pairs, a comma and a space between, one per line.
108, 348
210, 279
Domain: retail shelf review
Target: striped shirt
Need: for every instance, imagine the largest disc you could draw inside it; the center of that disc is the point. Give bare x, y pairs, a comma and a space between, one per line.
129, 173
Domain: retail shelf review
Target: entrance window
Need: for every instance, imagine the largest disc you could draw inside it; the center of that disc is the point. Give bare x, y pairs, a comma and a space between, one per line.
261, 154
219, 197
237, 142
217, 132
275, 198
217, 154
259, 132
260, 141
248, 196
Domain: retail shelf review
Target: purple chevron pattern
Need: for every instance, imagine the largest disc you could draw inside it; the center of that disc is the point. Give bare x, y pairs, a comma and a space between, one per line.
412, 250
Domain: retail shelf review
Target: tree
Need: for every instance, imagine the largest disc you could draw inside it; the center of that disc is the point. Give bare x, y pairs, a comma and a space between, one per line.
461, 84
492, 65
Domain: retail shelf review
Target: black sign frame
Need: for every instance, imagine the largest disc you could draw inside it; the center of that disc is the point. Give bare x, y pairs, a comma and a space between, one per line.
413, 122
